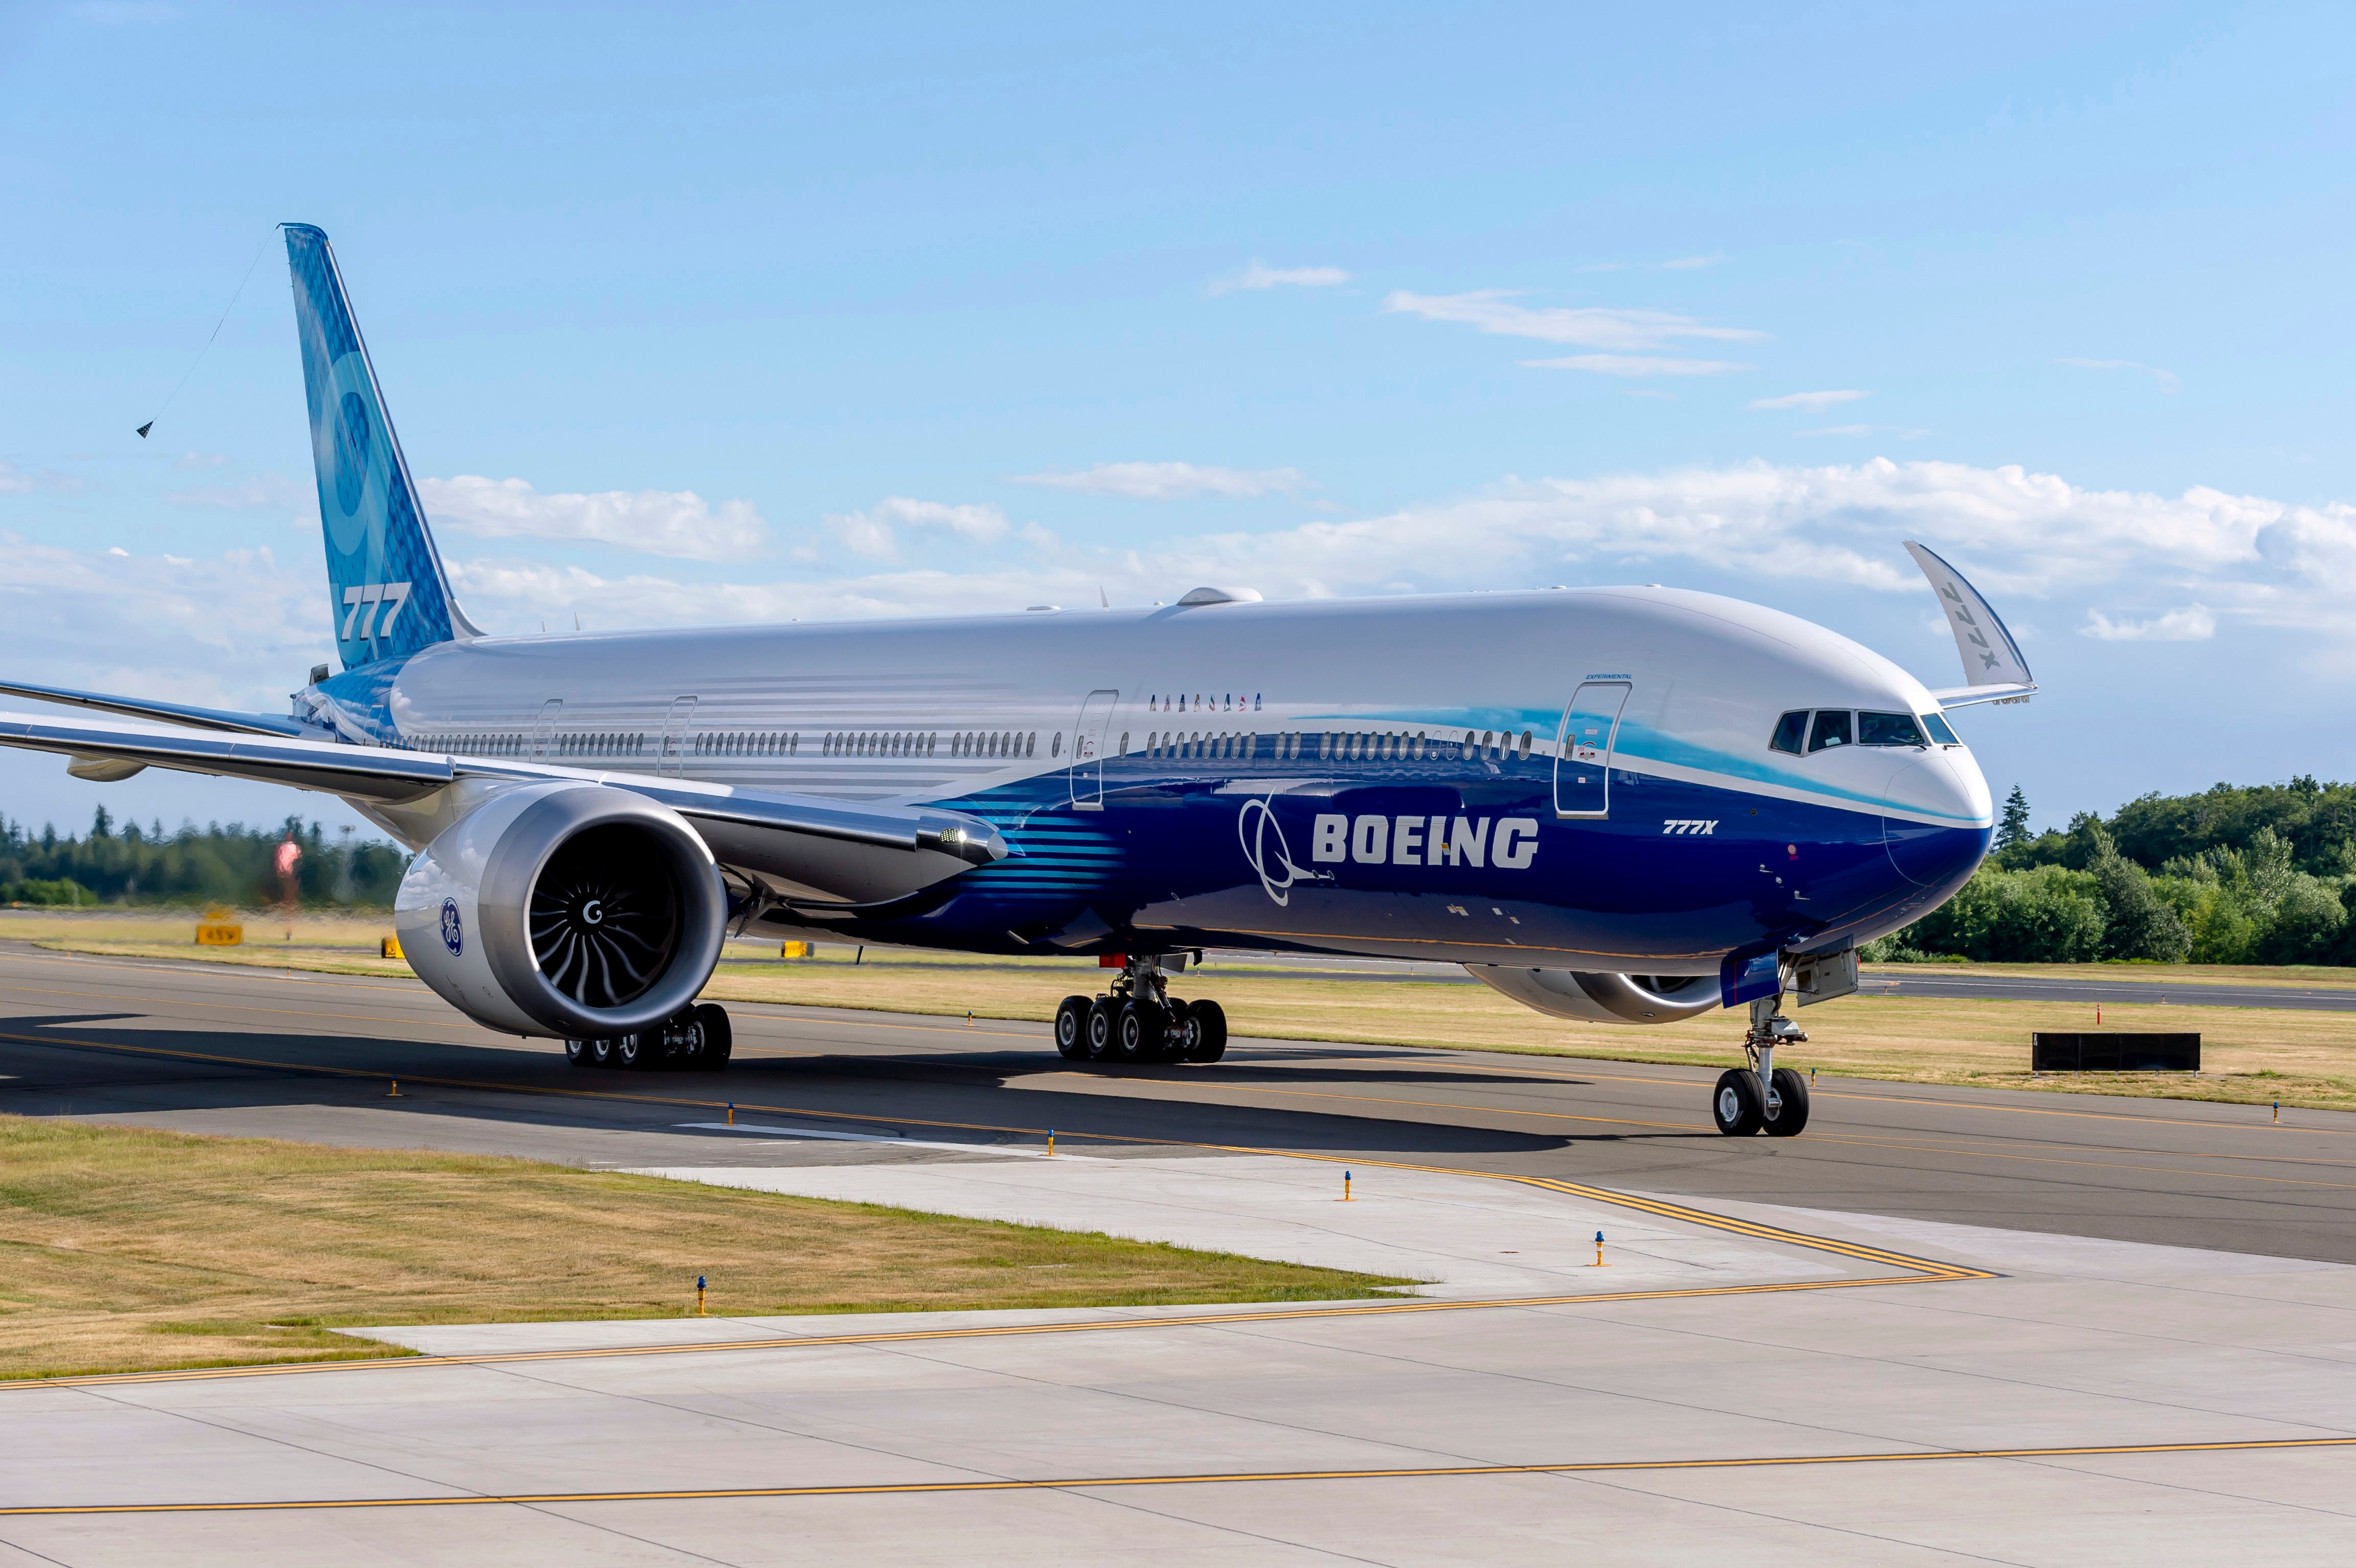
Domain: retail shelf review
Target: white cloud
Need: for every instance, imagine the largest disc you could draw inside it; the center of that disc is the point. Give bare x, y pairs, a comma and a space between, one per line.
2024, 535
261, 490
1494, 312
1635, 365
16, 481
188, 460
2192, 623
123, 13
1259, 275
661, 522
2167, 378
1172, 481
875, 533
1808, 402
1692, 263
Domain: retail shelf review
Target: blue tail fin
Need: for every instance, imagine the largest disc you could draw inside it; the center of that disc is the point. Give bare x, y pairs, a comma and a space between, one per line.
386, 588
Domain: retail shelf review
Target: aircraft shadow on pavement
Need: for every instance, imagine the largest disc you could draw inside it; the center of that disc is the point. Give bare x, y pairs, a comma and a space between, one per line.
94, 1067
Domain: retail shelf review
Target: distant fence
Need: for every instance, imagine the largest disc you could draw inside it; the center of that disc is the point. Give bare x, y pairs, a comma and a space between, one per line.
2114, 1050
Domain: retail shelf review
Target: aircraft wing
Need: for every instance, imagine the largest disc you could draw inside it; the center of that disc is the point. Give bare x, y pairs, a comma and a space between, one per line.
166, 712
1994, 669
835, 849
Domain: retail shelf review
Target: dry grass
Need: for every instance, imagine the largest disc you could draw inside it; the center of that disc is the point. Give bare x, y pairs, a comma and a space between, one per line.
2249, 1055
125, 1248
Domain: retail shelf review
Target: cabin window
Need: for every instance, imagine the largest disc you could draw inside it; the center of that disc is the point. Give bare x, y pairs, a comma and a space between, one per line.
1527, 739
1888, 729
1832, 729
1790, 733
1941, 731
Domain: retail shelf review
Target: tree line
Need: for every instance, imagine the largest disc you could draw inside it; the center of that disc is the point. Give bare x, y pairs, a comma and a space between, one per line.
2236, 874
128, 863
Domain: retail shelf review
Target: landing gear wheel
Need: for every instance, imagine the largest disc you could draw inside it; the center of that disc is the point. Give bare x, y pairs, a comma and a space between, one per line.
1791, 1088
1737, 1104
1100, 1029
1072, 1029
601, 1053
636, 1052
576, 1053
1206, 1031
719, 1037
1138, 1032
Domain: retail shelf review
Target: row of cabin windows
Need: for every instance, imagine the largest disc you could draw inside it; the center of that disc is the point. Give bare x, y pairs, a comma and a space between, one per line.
1340, 745
1827, 728
748, 744
582, 743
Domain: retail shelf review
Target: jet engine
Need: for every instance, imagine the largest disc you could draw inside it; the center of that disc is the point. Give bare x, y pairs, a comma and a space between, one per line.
1605, 998
573, 910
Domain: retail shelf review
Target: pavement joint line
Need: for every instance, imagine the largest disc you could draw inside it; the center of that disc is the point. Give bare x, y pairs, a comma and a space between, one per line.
1200, 1319
1213, 1477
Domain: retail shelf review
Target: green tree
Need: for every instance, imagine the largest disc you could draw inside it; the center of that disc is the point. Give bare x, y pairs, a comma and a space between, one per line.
2013, 829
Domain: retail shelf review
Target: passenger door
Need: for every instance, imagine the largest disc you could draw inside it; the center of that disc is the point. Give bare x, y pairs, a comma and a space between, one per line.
1582, 760
1088, 751
674, 736
543, 733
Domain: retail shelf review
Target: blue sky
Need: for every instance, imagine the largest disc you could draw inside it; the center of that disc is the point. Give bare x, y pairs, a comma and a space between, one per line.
763, 313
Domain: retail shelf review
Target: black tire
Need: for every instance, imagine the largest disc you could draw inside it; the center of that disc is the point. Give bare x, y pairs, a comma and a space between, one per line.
1791, 1117
636, 1052
1072, 1029
576, 1053
1208, 1039
1736, 1105
1138, 1032
601, 1051
719, 1037
1101, 1022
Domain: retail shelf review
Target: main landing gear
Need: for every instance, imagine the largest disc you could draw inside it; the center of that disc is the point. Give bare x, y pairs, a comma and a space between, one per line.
694, 1039
1763, 1097
1139, 1021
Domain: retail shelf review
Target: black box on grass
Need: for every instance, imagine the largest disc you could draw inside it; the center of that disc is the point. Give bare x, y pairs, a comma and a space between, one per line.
2114, 1050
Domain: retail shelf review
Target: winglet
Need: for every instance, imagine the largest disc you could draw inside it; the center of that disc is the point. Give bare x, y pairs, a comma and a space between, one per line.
1992, 661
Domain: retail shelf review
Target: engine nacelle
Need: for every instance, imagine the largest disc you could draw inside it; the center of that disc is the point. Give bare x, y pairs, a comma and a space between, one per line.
1605, 998
573, 910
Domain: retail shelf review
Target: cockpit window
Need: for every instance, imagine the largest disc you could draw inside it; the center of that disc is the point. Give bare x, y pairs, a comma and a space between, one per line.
1832, 729
1790, 733
1888, 729
1939, 730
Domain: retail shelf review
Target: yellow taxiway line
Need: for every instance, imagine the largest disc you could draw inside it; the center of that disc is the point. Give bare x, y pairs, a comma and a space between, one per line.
1198, 1479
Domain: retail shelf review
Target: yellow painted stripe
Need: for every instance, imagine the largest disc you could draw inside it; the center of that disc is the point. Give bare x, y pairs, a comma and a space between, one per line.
1212, 1477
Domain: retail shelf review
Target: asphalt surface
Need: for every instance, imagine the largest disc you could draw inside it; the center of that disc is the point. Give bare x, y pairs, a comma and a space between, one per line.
217, 1048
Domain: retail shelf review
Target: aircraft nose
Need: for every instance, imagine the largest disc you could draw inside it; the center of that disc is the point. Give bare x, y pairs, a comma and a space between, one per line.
1935, 820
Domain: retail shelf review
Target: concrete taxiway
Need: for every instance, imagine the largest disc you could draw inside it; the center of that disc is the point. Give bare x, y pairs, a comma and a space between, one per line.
1941, 1326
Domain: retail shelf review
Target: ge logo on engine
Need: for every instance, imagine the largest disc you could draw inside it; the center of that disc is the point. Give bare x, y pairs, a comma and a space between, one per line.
453, 933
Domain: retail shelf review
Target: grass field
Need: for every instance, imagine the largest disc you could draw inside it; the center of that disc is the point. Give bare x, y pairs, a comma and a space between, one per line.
2252, 1055
128, 1249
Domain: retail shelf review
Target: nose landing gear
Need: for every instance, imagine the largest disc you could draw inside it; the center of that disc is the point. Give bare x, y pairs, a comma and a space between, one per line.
1138, 1021
1761, 1096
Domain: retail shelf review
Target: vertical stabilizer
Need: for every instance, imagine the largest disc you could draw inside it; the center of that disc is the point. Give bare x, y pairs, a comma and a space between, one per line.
386, 591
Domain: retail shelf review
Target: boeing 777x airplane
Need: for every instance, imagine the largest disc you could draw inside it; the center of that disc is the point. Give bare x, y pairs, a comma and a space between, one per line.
1618, 805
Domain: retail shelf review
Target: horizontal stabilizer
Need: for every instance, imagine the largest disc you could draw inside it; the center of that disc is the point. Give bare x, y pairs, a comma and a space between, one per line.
1966, 696
833, 849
